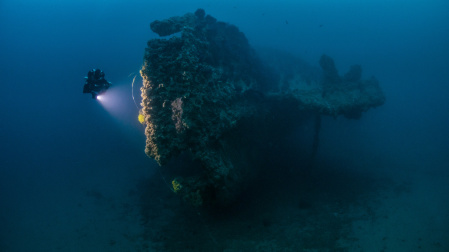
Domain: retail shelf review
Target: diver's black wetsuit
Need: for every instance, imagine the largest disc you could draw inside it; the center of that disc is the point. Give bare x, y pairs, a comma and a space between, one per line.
96, 84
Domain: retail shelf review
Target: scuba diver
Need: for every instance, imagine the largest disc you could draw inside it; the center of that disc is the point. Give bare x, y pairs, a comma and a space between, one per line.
96, 84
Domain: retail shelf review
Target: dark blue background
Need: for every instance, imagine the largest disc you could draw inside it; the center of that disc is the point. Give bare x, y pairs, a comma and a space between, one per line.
55, 140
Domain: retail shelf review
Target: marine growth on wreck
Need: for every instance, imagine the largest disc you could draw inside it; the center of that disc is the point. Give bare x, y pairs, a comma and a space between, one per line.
208, 95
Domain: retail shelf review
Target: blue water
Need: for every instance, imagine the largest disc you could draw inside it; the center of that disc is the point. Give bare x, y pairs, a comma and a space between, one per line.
70, 167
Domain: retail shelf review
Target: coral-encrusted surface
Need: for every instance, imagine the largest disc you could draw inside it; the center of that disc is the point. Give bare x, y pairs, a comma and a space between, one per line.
207, 93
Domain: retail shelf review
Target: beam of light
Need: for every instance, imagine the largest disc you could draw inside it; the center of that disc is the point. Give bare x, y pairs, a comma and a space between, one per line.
115, 100
120, 103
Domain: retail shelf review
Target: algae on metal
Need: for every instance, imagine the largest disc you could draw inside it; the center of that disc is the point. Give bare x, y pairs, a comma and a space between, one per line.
206, 92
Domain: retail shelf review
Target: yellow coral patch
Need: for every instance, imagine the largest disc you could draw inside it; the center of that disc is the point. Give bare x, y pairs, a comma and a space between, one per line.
176, 185
141, 118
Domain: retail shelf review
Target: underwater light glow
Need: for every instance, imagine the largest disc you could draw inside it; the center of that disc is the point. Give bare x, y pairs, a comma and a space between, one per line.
119, 103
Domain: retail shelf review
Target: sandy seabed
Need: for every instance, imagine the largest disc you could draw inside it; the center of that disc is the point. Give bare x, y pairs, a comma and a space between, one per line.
325, 209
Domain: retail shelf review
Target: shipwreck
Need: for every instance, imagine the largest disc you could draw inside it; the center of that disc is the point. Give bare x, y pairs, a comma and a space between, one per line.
210, 97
